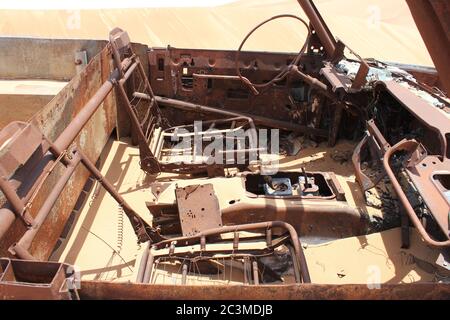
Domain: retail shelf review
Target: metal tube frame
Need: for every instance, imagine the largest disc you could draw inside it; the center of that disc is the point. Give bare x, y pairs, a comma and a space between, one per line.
200, 238
58, 149
408, 145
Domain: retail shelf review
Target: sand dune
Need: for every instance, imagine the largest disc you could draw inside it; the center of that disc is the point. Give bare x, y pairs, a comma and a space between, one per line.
381, 29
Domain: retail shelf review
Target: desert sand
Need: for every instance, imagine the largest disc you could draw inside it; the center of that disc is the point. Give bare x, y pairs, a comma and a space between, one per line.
381, 29
100, 231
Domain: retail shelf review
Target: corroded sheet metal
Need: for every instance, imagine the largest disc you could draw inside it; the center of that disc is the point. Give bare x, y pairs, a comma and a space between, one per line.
177, 74
111, 290
91, 141
198, 207
430, 116
428, 176
31, 280
51, 120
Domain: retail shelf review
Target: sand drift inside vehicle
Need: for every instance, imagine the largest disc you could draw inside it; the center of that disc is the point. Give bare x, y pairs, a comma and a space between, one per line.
256, 209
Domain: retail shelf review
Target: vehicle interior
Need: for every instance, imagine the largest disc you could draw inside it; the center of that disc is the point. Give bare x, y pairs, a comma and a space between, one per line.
147, 172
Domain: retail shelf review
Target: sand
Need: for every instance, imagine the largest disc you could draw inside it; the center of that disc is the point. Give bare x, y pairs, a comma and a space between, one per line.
102, 253
381, 29
21, 99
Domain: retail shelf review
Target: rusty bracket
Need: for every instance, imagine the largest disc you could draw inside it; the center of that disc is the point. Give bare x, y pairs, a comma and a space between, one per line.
377, 146
33, 280
429, 192
198, 208
341, 83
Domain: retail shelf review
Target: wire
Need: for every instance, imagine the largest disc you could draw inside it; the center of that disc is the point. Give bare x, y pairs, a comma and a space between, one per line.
114, 250
286, 70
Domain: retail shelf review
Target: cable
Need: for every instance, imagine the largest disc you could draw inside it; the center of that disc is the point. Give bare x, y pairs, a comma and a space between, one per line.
284, 72
114, 250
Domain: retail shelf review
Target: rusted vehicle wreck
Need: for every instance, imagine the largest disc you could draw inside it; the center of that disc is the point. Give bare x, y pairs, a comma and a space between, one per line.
104, 195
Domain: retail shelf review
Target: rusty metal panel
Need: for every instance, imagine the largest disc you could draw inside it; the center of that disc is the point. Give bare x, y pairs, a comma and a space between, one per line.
198, 207
100, 126
14, 155
30, 280
113, 290
430, 116
425, 176
176, 73
52, 120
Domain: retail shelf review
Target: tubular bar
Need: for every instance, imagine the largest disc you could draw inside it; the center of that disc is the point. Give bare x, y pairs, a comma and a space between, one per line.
27, 238
77, 124
62, 143
431, 18
246, 227
256, 119
20, 249
140, 275
64, 140
18, 206
408, 145
316, 20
